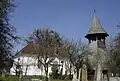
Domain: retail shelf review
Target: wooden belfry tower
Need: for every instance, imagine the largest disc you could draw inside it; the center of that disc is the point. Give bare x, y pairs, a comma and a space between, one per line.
96, 37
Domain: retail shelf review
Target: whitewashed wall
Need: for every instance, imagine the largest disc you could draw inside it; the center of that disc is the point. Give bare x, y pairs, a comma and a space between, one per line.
33, 69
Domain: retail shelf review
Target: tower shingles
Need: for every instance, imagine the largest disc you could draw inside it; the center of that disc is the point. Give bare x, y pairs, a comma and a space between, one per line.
96, 28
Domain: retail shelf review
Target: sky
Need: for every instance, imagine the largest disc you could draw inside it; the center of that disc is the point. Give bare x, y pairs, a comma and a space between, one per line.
70, 18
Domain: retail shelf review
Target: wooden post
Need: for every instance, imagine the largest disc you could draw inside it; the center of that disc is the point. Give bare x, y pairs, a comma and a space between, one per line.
99, 72
84, 73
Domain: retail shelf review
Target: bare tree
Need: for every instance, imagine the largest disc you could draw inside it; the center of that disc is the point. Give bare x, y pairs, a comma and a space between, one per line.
47, 43
77, 51
114, 55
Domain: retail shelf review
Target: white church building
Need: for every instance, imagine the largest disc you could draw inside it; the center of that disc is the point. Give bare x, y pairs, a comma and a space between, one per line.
29, 63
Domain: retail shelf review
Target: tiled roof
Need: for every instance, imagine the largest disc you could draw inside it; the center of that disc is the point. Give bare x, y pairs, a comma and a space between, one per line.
31, 49
28, 49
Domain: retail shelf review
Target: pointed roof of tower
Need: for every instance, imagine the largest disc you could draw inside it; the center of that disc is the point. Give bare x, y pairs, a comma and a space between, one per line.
96, 27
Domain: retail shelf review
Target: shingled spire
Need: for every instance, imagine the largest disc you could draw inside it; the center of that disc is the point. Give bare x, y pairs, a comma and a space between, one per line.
96, 28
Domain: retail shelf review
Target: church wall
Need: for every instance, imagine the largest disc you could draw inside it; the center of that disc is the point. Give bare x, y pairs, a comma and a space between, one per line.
33, 68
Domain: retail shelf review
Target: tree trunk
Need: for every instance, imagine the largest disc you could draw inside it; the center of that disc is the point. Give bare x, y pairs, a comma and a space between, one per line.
108, 76
70, 72
20, 76
26, 70
81, 74
79, 78
46, 72
77, 73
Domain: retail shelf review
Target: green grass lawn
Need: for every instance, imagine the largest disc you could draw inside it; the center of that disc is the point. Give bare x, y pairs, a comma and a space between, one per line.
27, 78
